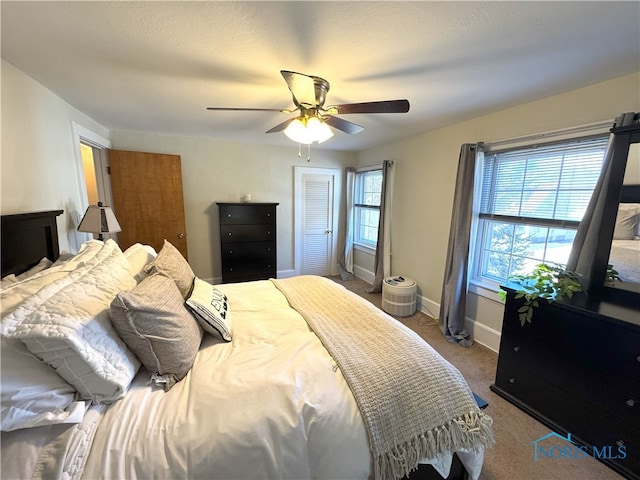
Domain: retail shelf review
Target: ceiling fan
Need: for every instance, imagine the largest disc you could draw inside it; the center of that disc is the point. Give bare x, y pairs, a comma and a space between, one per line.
312, 124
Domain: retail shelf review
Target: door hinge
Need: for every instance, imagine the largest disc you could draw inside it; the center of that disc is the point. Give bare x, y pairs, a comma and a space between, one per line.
108, 170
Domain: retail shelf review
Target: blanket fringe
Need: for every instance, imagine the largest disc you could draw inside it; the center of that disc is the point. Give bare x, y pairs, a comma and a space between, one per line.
471, 432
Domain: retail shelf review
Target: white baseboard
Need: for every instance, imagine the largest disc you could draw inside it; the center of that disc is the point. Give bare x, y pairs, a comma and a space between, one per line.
480, 333
286, 273
365, 275
428, 307
484, 335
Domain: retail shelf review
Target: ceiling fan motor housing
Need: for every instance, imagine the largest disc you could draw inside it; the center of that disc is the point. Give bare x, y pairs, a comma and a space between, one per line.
322, 87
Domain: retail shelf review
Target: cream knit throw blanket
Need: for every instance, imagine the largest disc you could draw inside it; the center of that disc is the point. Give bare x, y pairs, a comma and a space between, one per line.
414, 403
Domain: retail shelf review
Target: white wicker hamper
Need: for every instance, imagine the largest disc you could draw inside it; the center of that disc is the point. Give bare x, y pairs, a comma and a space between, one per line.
399, 296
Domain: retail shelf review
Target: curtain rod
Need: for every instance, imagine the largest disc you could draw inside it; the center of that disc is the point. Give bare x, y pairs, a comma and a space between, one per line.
378, 165
604, 125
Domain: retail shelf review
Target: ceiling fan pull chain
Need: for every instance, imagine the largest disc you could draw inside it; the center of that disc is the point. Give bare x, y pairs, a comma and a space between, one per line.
299, 151
308, 152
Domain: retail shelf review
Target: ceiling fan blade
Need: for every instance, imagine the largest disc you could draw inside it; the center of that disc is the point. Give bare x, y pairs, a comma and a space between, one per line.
302, 88
281, 126
340, 124
241, 109
385, 106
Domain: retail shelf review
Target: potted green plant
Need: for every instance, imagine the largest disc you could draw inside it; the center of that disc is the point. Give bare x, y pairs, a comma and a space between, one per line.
550, 282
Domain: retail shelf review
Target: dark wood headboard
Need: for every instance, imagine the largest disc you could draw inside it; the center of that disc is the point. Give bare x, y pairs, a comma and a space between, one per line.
26, 238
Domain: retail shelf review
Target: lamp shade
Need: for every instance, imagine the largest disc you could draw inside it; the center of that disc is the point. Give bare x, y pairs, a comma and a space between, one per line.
99, 219
307, 130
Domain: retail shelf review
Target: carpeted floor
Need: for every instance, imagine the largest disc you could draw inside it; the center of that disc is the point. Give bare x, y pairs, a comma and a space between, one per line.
511, 458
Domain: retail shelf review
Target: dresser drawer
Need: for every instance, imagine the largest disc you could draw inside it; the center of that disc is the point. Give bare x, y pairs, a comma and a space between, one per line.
247, 233
251, 251
246, 214
247, 272
586, 422
241, 257
610, 389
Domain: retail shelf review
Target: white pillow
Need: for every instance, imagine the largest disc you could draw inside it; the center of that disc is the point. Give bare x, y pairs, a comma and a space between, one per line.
140, 256
32, 394
67, 325
90, 253
211, 308
43, 264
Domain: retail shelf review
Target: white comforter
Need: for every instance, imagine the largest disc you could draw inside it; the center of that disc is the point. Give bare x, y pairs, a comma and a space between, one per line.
270, 404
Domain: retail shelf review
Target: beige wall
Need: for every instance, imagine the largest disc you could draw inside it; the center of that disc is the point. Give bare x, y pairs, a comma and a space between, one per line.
39, 158
221, 171
425, 176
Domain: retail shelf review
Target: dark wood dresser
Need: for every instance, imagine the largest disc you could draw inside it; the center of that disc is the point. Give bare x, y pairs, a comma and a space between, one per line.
576, 369
247, 241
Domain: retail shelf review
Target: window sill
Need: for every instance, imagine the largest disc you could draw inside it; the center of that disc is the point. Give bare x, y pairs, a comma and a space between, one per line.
488, 290
364, 248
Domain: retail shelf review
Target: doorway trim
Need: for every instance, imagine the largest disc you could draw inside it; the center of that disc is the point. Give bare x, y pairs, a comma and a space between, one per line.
84, 135
298, 211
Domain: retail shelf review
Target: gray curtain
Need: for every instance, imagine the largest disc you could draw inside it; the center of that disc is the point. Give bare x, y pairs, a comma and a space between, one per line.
383, 247
454, 286
591, 238
346, 252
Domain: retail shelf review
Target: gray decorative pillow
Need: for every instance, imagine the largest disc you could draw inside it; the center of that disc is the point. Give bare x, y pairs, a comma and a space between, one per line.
210, 307
154, 323
627, 221
171, 262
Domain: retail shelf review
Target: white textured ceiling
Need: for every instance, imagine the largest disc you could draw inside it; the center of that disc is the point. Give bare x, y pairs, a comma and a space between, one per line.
155, 66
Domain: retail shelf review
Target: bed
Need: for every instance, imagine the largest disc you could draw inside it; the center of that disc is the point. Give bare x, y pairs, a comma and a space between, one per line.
227, 381
625, 246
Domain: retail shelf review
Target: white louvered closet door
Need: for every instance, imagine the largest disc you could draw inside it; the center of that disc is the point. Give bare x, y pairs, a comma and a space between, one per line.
317, 224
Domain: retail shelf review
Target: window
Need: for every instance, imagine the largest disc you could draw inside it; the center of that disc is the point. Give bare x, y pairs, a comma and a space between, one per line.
532, 201
368, 190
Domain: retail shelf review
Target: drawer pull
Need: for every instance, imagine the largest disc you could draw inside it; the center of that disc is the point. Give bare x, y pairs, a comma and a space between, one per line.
620, 443
638, 358
512, 380
228, 215
516, 348
230, 252
230, 233
630, 402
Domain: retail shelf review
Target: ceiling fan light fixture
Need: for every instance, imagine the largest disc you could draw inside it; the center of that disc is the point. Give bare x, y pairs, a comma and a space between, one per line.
307, 130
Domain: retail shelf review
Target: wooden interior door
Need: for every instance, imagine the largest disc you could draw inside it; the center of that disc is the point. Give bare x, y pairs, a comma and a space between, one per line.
147, 198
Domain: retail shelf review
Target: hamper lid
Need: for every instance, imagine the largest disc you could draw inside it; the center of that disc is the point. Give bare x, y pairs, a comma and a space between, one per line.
399, 281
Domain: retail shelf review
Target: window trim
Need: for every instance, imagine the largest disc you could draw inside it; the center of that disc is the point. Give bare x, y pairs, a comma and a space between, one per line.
485, 286
357, 239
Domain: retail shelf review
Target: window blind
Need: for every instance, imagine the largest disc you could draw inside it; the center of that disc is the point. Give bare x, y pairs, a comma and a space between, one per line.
551, 181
